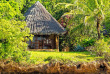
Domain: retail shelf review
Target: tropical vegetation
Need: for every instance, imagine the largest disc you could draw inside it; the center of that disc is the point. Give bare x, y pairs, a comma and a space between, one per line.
86, 21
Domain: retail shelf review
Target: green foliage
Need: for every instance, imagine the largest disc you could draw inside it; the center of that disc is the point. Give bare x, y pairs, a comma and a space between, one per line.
107, 39
6, 11
13, 31
19, 56
10, 10
84, 23
60, 12
13, 38
87, 42
101, 48
81, 27
106, 22
52, 6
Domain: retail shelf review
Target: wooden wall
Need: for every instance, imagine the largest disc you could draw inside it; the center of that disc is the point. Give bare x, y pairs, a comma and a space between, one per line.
54, 44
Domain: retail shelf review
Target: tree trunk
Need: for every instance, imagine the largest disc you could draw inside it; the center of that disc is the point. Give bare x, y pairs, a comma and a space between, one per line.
98, 27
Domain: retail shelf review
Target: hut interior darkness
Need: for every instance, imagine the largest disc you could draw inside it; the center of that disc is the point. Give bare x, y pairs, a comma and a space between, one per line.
44, 27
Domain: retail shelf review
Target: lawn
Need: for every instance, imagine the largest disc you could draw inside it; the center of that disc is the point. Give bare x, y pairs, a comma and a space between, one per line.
46, 57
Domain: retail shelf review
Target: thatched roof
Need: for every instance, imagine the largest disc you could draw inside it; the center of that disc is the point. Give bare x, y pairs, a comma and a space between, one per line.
40, 21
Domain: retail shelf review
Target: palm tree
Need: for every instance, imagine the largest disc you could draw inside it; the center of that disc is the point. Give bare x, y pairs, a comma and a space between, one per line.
97, 10
93, 10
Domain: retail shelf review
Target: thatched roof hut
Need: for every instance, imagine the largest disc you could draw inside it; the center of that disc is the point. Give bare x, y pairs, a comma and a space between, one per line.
44, 27
40, 21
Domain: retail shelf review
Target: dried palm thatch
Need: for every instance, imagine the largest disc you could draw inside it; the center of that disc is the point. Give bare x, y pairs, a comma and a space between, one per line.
55, 68
40, 21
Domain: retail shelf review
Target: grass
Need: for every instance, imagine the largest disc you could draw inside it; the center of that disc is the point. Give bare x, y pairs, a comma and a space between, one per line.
46, 57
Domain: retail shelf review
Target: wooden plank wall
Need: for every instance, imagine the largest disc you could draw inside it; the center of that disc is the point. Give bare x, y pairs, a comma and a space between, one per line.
55, 44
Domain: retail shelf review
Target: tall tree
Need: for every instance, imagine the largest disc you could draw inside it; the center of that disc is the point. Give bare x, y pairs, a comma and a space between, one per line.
93, 11
88, 16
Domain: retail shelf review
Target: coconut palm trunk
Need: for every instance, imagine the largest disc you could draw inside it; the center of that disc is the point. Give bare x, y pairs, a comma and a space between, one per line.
98, 27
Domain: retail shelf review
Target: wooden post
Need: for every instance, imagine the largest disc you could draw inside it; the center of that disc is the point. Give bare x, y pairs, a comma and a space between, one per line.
57, 43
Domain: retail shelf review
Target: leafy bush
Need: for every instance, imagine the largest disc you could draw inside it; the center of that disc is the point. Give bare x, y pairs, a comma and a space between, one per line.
13, 40
79, 48
101, 48
17, 56
87, 42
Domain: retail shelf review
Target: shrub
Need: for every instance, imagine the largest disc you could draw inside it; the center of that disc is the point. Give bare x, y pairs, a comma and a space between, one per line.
101, 48
24, 55
87, 42
13, 39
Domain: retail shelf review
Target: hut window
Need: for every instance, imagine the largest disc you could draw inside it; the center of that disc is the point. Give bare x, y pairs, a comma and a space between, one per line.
47, 41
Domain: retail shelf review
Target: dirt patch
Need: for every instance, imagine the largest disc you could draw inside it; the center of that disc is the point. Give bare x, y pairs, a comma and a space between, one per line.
56, 68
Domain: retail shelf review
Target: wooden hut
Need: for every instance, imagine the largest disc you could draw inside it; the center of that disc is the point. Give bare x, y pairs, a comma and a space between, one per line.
44, 27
